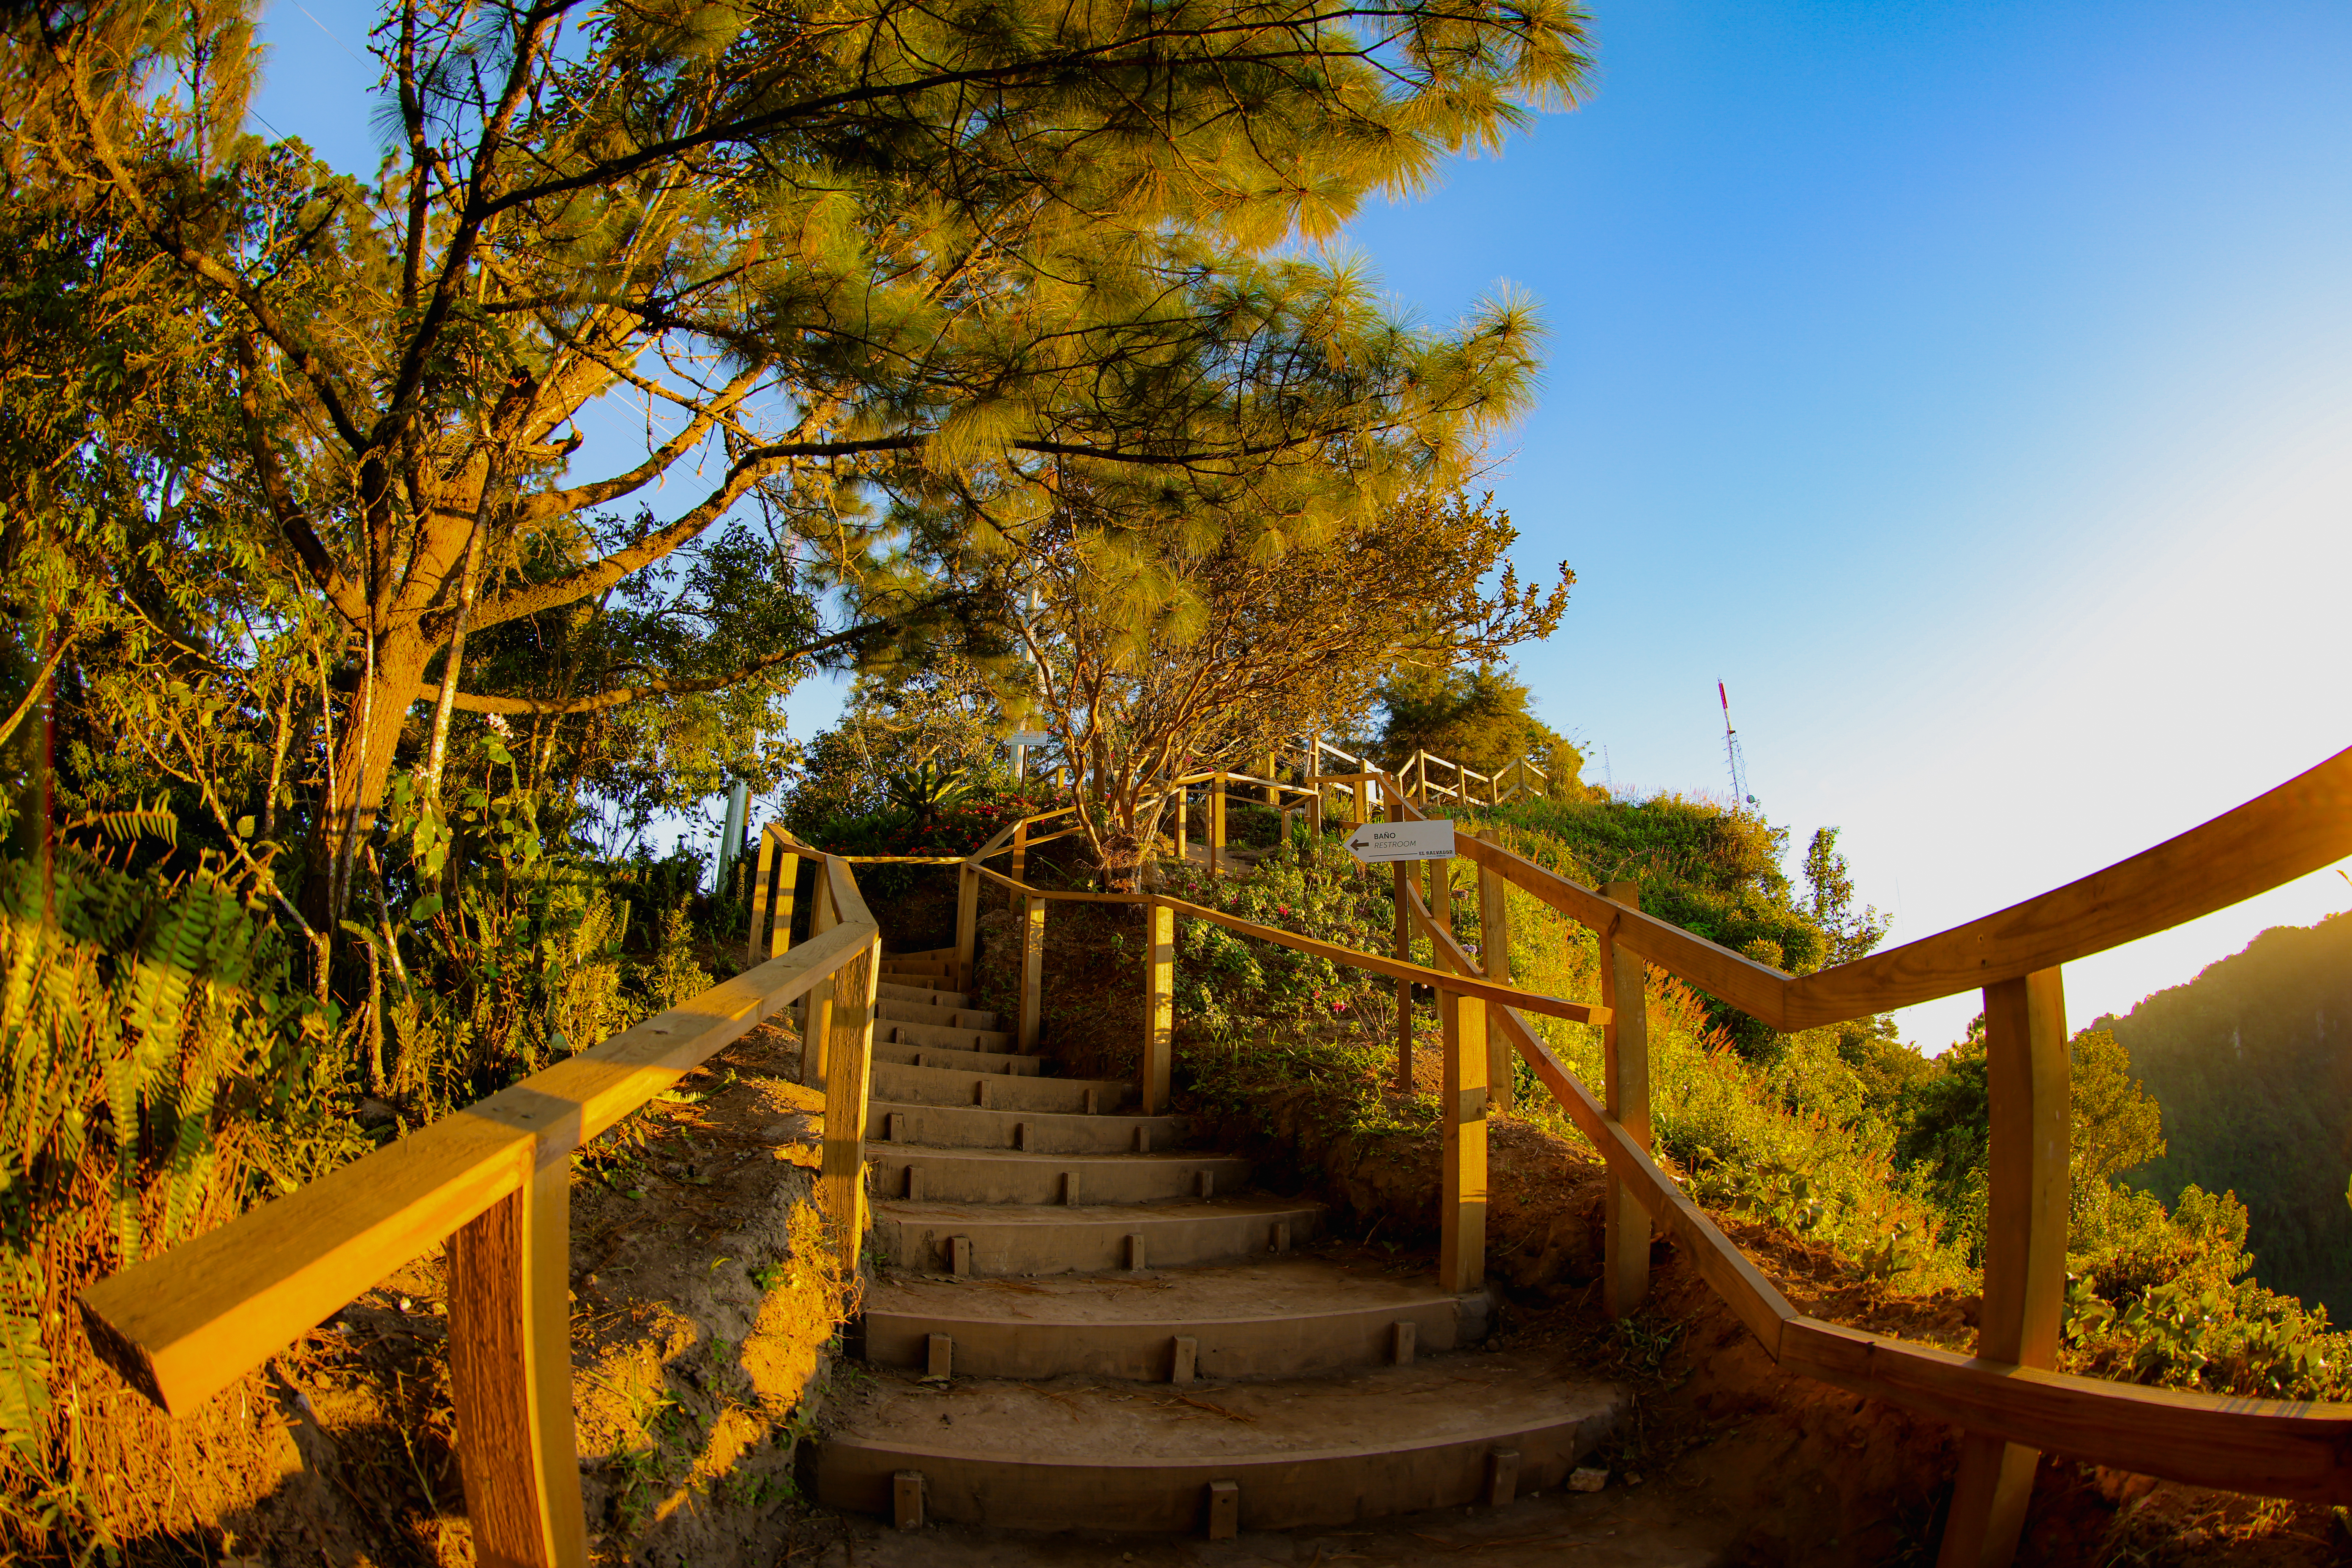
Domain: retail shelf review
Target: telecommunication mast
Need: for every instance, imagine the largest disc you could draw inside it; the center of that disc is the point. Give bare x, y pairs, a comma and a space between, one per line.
1731, 752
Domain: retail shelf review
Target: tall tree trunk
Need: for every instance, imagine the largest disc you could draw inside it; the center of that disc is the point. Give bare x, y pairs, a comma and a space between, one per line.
370, 737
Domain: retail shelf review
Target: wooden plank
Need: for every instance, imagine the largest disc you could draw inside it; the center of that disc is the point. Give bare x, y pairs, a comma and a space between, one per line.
1159, 1005
1402, 936
2268, 1448
2026, 1250
817, 1007
1755, 1301
1494, 956
185, 1324
841, 1170
1625, 1094
967, 938
2304, 825
1033, 971
1217, 824
1461, 1158
511, 1376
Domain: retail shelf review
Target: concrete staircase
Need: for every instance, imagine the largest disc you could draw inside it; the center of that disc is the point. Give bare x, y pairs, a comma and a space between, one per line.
1082, 1321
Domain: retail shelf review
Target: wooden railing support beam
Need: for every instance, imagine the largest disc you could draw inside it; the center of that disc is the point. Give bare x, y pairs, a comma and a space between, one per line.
1158, 1005
1217, 824
1402, 871
817, 1007
510, 1375
841, 1174
1495, 958
967, 924
1462, 1109
2027, 1193
1033, 971
1626, 1054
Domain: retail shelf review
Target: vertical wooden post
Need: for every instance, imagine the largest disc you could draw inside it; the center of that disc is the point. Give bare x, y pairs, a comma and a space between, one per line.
1495, 957
1217, 822
841, 1174
1183, 828
1441, 892
1020, 853
1462, 1108
967, 924
1033, 970
760, 898
817, 1007
510, 1375
2026, 1250
1273, 795
1625, 1052
1402, 871
1158, 1003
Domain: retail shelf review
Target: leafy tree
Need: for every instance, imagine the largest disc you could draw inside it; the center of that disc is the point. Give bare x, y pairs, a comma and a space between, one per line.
1477, 717
1151, 658
1830, 890
901, 278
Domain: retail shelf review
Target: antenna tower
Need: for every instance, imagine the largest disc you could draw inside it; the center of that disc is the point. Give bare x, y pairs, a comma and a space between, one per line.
1731, 752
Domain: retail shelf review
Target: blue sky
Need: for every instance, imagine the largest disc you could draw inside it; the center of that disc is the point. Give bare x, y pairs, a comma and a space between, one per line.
1969, 387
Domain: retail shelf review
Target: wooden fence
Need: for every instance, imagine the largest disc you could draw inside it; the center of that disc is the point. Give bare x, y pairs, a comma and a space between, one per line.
2007, 1401
493, 1181
492, 1178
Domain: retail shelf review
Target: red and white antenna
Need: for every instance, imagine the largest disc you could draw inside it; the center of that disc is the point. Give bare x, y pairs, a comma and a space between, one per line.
1731, 752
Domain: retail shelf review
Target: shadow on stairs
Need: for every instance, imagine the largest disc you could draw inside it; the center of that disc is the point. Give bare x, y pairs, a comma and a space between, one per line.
1083, 1323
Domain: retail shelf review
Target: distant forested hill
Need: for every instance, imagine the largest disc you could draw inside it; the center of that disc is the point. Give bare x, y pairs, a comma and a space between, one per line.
2252, 1064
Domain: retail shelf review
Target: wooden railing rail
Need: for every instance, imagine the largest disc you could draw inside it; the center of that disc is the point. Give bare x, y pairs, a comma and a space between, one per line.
2006, 1398
493, 1180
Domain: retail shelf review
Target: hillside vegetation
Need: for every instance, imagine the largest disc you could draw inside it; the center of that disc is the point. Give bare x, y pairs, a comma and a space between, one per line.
2249, 1062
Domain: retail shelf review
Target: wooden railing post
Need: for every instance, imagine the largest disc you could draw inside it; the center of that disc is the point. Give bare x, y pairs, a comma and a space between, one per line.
1626, 1053
1404, 874
1217, 821
771, 891
1495, 958
841, 1175
1183, 828
1020, 853
1158, 1005
510, 1374
2026, 1250
1462, 1108
1033, 970
967, 938
1273, 795
816, 1008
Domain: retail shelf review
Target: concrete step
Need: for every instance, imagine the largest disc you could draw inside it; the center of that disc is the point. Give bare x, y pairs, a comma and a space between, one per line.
944, 1056
891, 991
1292, 1317
1076, 1453
1002, 1177
897, 1082
915, 971
1034, 1132
938, 1035
946, 1017
1013, 1239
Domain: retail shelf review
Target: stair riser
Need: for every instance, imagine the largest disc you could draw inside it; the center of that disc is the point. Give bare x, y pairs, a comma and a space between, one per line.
986, 1179
921, 995
957, 1127
946, 1017
1285, 1492
943, 1038
1266, 1347
995, 1091
965, 1062
1084, 1244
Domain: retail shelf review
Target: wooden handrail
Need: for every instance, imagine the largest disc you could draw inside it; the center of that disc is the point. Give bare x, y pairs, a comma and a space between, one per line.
2272, 1447
492, 1179
2302, 826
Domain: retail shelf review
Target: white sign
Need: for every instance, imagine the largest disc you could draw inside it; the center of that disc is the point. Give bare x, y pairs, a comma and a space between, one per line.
1377, 843
1029, 738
